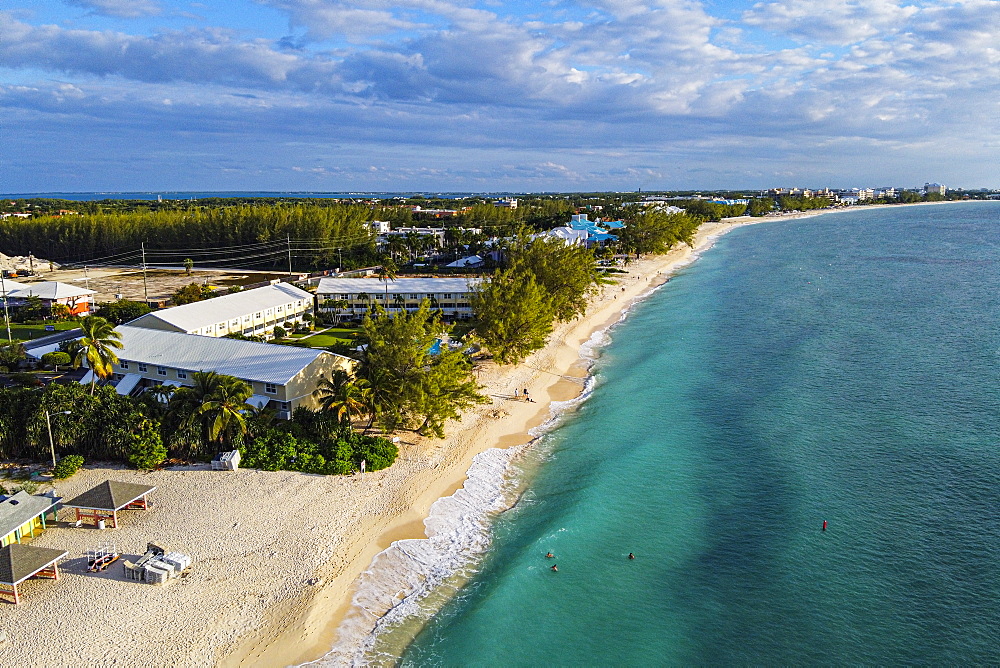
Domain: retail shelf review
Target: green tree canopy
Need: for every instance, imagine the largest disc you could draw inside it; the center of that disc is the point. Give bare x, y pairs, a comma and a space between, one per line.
412, 389
122, 311
214, 405
566, 272
656, 231
514, 315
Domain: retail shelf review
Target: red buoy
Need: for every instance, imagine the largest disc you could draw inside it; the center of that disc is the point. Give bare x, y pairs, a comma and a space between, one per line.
824, 525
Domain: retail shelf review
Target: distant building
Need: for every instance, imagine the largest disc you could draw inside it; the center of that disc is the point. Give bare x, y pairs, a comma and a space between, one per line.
282, 377
935, 189
471, 262
353, 297
249, 312
506, 203
381, 226
78, 300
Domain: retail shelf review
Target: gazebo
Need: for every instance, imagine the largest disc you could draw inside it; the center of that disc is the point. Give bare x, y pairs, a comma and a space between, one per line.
105, 500
20, 562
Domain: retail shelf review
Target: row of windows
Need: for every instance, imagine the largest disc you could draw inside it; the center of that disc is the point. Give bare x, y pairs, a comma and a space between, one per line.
381, 295
269, 388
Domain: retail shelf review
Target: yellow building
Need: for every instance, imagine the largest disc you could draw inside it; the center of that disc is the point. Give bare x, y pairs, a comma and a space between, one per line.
22, 516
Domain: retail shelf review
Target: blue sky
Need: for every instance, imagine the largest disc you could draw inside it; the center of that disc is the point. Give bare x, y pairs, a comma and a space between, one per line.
490, 96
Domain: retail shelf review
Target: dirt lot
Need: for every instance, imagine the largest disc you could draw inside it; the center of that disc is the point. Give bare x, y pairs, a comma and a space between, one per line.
161, 283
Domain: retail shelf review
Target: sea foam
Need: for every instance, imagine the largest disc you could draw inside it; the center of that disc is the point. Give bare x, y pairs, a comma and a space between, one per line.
396, 587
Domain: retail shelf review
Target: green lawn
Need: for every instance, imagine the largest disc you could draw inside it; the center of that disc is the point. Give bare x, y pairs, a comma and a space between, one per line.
330, 337
29, 332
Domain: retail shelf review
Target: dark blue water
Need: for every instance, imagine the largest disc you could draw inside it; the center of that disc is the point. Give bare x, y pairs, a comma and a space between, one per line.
842, 368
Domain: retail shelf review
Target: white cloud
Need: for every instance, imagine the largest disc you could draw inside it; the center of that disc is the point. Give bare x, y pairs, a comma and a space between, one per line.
125, 9
830, 22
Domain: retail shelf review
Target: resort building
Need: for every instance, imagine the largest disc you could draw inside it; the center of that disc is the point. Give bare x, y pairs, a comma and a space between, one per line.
352, 297
282, 377
582, 230
79, 301
250, 312
935, 189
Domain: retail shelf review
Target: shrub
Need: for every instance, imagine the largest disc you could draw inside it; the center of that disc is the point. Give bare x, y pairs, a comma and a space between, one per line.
280, 333
377, 453
56, 359
26, 486
146, 450
67, 466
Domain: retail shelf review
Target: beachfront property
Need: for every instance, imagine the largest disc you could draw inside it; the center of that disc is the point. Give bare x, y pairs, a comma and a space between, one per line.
935, 189
78, 300
283, 377
582, 230
249, 312
22, 515
353, 297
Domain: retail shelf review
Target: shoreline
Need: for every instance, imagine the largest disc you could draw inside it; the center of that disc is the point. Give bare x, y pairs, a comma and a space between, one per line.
554, 374
322, 618
278, 555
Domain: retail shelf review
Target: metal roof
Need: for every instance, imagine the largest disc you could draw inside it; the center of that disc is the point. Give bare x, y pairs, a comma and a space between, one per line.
250, 360
196, 315
21, 508
50, 290
19, 562
10, 286
347, 286
109, 495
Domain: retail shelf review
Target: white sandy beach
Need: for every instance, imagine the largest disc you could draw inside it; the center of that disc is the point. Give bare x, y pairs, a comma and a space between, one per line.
277, 554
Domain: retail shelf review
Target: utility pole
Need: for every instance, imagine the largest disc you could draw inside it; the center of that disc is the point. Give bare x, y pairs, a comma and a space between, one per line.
288, 238
340, 260
86, 276
145, 289
6, 314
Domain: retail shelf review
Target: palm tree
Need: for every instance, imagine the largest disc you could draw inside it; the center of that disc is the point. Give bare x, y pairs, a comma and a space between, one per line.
97, 347
342, 396
386, 273
216, 403
400, 300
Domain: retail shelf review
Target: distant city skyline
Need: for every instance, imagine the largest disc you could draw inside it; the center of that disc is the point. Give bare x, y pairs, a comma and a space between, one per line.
453, 95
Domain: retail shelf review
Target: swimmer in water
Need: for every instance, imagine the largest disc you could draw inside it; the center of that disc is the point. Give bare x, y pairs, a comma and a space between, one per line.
550, 556
631, 556
555, 568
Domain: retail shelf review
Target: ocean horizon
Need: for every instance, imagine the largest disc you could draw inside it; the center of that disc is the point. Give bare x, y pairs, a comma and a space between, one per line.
837, 369
153, 195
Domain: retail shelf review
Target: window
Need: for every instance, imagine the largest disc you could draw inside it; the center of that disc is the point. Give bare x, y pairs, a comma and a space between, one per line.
142, 367
182, 374
235, 323
269, 311
280, 309
123, 364
270, 388
256, 315
161, 371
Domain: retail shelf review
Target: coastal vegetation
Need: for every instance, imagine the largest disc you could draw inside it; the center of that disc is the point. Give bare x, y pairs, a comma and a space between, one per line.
409, 387
192, 425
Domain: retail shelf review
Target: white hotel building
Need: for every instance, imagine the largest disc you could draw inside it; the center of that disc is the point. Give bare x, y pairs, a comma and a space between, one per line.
352, 297
250, 312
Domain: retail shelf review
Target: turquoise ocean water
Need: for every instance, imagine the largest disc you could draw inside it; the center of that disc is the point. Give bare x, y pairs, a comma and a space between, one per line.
842, 368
